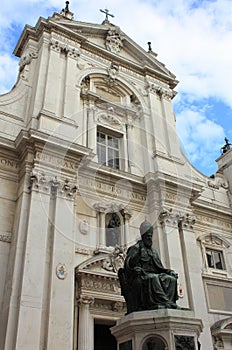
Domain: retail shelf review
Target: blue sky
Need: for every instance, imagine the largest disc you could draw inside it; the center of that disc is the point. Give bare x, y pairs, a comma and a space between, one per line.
192, 38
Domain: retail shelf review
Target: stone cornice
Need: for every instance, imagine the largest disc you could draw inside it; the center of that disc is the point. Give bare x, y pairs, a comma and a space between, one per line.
149, 66
32, 136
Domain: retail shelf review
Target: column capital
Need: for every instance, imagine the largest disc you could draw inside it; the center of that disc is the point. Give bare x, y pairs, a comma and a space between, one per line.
169, 217
86, 300
174, 218
187, 221
107, 207
42, 182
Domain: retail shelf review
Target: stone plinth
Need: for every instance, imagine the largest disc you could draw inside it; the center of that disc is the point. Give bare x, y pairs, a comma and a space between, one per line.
163, 329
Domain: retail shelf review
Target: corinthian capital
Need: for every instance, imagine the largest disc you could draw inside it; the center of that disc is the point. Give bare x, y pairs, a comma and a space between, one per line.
187, 221
86, 300
169, 217
39, 182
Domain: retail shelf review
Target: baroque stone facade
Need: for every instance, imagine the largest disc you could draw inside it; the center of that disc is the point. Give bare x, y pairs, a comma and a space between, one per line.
92, 151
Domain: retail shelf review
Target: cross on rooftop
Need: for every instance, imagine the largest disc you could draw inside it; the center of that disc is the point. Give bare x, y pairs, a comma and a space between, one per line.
106, 11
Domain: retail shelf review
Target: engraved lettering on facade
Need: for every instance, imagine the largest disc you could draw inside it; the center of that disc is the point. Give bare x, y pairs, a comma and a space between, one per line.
58, 162
8, 163
5, 237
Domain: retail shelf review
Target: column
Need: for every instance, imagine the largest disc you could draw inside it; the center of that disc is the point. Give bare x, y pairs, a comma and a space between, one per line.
101, 209
127, 217
193, 264
35, 268
9, 312
54, 83
61, 308
172, 141
86, 324
70, 104
174, 256
92, 128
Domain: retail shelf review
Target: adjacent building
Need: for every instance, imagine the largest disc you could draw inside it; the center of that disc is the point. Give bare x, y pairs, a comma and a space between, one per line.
89, 150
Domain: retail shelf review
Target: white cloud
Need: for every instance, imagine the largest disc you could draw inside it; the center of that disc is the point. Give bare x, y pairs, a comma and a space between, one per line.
8, 72
202, 138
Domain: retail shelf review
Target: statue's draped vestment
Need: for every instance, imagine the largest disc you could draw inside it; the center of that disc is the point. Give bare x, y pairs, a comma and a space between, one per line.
151, 284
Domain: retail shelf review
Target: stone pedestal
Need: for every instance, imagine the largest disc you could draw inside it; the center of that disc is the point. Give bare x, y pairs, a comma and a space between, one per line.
163, 329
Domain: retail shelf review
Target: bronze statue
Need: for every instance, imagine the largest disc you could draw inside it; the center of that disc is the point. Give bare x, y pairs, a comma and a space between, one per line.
226, 147
145, 283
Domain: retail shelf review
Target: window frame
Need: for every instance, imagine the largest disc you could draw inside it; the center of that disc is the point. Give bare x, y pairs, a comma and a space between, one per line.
215, 251
218, 244
110, 148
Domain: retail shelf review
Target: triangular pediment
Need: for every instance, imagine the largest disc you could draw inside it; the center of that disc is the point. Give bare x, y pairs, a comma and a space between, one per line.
103, 263
110, 41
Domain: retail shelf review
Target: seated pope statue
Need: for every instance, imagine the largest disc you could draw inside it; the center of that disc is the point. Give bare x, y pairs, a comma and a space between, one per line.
145, 283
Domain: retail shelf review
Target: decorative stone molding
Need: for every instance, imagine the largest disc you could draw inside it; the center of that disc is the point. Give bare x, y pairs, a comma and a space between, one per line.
67, 188
109, 306
165, 93
44, 183
60, 44
26, 59
114, 40
126, 213
5, 237
217, 180
170, 217
213, 241
83, 251
117, 306
110, 119
113, 72
86, 299
40, 182
84, 227
100, 305
115, 260
108, 208
183, 342
94, 283
218, 343
187, 221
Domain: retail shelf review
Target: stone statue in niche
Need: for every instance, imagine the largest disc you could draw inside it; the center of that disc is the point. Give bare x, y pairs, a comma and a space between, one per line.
113, 231
145, 283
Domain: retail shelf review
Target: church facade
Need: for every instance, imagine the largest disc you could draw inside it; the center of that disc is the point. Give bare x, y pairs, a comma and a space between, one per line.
89, 150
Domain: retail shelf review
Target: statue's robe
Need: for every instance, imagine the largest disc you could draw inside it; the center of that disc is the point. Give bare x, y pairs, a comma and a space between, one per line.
151, 285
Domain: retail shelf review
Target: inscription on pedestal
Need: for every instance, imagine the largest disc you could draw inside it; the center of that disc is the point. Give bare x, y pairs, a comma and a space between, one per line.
126, 345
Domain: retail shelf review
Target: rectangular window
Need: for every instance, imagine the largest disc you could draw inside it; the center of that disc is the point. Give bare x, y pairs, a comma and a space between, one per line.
215, 259
108, 149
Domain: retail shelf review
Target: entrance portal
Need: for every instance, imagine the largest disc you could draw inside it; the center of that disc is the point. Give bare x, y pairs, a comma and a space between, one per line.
103, 339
